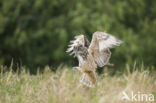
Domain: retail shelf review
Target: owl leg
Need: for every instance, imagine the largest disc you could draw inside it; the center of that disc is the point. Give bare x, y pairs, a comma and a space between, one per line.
85, 80
77, 68
91, 76
110, 64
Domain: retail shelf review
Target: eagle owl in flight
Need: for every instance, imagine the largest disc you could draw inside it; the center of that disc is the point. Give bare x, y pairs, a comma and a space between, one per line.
91, 55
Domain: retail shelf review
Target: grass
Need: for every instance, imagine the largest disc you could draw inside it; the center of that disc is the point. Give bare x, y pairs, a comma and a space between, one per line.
63, 86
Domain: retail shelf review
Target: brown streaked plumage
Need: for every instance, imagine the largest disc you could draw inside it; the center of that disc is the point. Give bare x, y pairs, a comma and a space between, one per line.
91, 55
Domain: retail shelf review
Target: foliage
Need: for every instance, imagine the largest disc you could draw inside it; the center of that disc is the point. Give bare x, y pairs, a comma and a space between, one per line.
36, 32
63, 86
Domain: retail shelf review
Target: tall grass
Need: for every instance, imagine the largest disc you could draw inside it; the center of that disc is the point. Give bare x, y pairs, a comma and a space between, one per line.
63, 86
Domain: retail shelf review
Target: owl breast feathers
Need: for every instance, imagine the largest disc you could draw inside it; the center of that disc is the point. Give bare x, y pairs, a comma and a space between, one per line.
91, 55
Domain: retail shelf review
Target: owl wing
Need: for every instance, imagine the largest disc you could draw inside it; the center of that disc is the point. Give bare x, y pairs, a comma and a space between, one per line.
100, 45
79, 40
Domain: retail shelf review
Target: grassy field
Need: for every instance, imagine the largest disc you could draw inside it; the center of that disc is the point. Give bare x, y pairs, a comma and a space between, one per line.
63, 86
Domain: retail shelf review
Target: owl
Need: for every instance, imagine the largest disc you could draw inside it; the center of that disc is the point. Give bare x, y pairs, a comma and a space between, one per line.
92, 54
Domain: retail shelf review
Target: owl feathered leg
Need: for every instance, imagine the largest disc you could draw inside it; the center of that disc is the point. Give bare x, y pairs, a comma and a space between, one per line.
88, 78
77, 68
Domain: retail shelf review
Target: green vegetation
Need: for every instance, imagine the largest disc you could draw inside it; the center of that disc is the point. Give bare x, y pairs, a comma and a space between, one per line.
63, 86
35, 33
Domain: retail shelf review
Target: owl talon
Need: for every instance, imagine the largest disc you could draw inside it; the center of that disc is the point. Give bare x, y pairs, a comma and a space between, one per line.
74, 67
109, 64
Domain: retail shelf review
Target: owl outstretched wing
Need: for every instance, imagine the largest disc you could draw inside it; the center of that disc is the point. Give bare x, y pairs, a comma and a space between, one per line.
79, 40
100, 45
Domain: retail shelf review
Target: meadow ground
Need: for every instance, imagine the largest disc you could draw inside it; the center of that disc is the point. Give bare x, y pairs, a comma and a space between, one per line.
63, 86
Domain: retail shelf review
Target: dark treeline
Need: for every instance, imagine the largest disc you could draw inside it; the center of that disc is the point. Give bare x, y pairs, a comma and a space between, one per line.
36, 33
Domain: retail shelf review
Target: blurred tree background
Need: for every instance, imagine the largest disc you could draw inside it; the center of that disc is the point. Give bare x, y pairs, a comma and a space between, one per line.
36, 33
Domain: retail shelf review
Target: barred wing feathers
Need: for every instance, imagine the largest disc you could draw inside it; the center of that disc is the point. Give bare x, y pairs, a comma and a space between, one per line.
79, 40
100, 45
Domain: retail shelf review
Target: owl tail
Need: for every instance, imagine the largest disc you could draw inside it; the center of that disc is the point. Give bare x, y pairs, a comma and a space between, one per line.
88, 78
